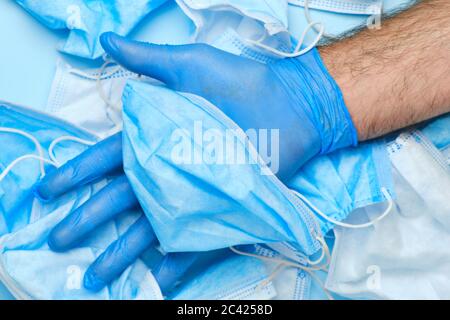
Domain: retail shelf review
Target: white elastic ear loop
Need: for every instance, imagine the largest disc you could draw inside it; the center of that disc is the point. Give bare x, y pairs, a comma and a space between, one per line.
53, 161
110, 105
22, 158
33, 139
297, 52
347, 225
102, 75
52, 146
282, 263
324, 254
309, 19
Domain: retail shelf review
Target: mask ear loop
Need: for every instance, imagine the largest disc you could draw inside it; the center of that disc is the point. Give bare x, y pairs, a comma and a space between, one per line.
110, 105
52, 146
282, 264
53, 161
314, 265
22, 158
35, 142
309, 19
347, 225
297, 52
102, 75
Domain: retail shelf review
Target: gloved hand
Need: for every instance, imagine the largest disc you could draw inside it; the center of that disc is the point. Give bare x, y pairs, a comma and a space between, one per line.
296, 96
100, 161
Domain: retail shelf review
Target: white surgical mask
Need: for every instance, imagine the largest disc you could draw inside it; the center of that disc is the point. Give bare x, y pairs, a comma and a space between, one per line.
405, 256
90, 99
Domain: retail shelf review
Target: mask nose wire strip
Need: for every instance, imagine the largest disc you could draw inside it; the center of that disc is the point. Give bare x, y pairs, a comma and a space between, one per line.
347, 225
52, 146
33, 139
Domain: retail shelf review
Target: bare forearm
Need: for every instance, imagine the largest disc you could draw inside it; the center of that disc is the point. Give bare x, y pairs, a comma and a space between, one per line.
398, 75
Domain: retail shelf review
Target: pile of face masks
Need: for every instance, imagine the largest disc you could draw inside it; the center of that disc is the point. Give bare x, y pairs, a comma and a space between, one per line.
405, 256
214, 211
30, 270
252, 208
33, 143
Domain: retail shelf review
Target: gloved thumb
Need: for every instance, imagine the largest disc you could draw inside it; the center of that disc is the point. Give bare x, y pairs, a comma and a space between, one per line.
143, 58
162, 62
196, 68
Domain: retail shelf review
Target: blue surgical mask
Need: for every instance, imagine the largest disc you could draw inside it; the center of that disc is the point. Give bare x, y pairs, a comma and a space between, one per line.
32, 144
438, 131
290, 283
364, 7
262, 25
343, 181
86, 20
236, 277
405, 256
218, 205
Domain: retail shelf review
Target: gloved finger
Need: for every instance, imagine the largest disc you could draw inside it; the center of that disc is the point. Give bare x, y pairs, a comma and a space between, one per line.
96, 162
173, 267
119, 255
115, 198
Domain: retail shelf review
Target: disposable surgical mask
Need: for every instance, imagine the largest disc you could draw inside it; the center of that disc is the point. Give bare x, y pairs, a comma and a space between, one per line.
244, 212
363, 7
236, 278
290, 282
405, 256
263, 24
249, 208
32, 144
87, 20
89, 98
372, 8
438, 131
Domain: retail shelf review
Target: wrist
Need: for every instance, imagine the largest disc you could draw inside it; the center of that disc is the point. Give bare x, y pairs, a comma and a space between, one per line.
317, 97
350, 87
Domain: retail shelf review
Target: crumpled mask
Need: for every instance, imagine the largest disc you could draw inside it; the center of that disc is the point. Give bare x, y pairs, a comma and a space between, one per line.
406, 255
197, 200
235, 277
206, 205
28, 268
87, 20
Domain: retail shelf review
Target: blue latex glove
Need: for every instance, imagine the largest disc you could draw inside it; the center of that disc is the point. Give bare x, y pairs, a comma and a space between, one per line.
100, 161
297, 96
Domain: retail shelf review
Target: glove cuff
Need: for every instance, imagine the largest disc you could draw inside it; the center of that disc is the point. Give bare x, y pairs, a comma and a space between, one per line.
317, 96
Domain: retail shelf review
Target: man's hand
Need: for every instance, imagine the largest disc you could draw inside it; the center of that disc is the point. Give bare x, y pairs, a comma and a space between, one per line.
295, 96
